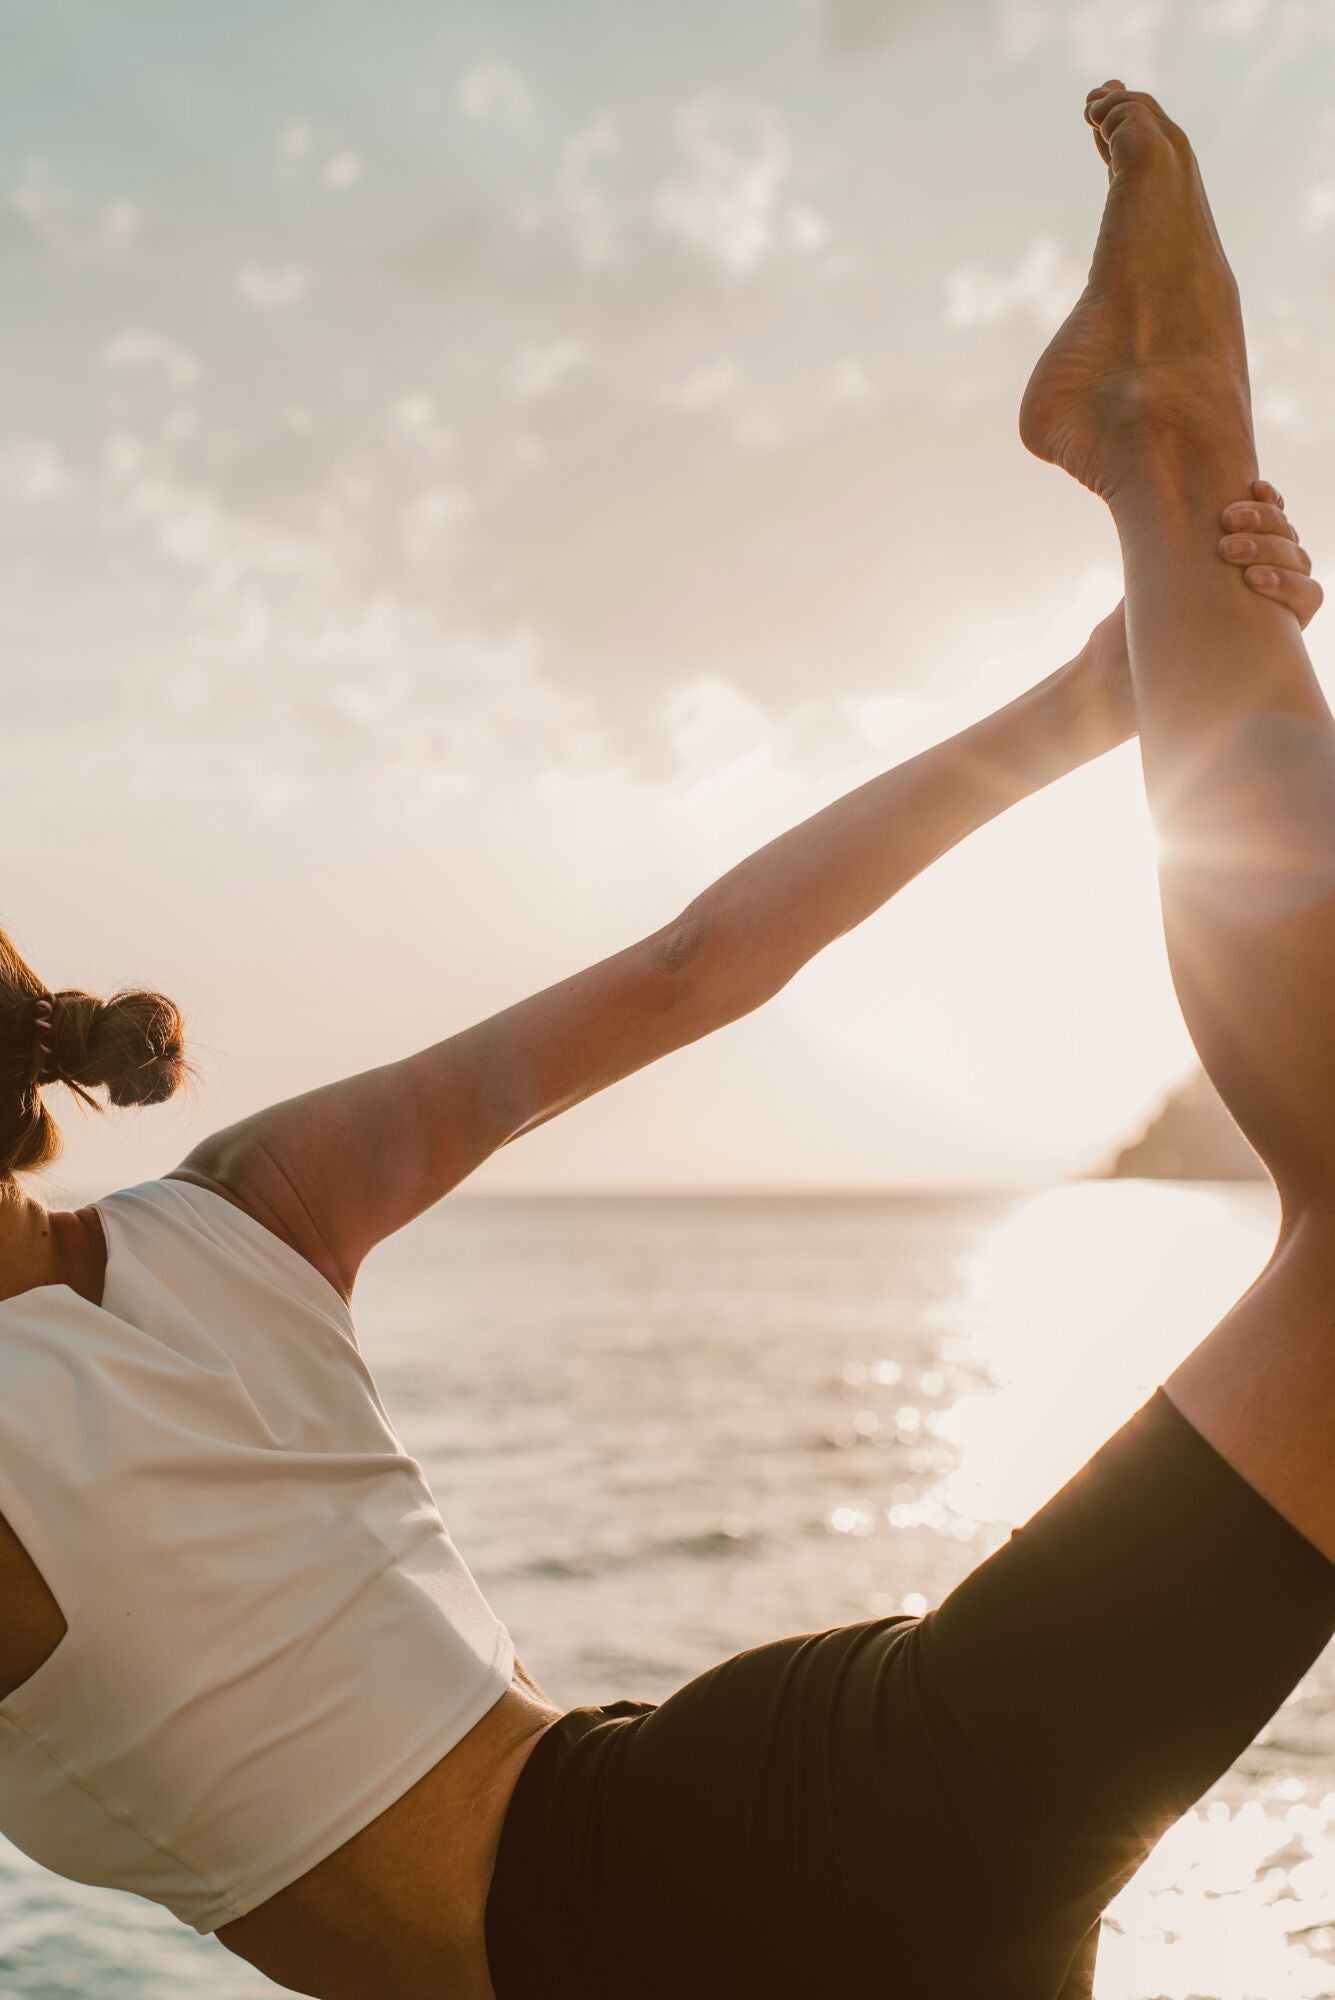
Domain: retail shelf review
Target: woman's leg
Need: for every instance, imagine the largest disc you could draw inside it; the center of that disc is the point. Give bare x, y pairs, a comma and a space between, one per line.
1084, 1686
1143, 396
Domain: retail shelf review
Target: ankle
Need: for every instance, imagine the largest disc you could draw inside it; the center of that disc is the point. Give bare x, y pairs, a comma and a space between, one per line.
1188, 448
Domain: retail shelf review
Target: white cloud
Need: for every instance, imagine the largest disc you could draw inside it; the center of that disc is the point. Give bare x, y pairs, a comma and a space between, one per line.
805, 227
67, 225
855, 29
122, 223
273, 287
1235, 20
757, 428
295, 140
494, 93
706, 387
1139, 27
726, 203
710, 725
343, 170
416, 418
1044, 285
849, 383
33, 470
1318, 211
721, 387
430, 520
540, 368
141, 347
580, 201
1087, 31
1282, 409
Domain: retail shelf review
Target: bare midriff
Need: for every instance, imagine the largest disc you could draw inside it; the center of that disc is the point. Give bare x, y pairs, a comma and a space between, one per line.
398, 1910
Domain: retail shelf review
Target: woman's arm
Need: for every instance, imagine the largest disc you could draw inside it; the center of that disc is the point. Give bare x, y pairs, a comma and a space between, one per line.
339, 1168
744, 938
343, 1166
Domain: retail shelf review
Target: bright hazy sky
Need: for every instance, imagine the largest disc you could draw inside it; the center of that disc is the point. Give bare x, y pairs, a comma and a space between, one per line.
469, 472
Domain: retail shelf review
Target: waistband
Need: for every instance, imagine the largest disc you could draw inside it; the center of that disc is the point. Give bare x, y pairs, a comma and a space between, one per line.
529, 1918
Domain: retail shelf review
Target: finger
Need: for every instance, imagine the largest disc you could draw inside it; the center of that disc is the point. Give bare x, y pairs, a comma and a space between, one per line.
1302, 594
1276, 551
1263, 490
1253, 517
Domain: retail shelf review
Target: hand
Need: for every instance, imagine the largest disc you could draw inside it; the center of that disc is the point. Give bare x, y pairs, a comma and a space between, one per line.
1259, 540
1273, 564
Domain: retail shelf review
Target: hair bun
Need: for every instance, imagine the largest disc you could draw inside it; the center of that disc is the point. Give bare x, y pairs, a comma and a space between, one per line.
132, 1045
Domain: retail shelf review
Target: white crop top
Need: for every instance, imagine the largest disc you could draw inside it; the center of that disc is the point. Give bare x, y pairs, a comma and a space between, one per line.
271, 1635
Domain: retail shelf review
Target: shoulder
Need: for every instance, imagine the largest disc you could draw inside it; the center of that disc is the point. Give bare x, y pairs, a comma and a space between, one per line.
256, 1187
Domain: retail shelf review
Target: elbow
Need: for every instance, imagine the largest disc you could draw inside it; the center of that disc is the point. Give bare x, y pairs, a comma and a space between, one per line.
681, 949
711, 968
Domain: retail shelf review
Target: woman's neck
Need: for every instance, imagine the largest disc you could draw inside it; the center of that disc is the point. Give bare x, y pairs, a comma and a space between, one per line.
33, 1245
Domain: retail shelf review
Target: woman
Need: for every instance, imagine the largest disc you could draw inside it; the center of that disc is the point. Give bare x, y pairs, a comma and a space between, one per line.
245, 1673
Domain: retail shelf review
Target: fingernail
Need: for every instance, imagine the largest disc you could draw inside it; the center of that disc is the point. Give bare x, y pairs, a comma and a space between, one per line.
1244, 517
1239, 545
1264, 579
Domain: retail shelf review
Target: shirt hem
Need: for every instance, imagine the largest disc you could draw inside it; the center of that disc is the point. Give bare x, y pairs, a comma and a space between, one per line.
351, 1818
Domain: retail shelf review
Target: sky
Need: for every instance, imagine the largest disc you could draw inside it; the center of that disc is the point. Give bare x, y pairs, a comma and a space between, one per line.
469, 473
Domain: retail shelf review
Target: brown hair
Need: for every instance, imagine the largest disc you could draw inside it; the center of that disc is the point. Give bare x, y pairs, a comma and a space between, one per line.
132, 1045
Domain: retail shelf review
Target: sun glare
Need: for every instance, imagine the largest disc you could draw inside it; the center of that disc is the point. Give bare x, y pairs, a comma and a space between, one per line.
1077, 1323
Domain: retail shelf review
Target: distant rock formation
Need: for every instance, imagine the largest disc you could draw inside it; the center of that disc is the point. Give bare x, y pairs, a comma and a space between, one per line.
1190, 1138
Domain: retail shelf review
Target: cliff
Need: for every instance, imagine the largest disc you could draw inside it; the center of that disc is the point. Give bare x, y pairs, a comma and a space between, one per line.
1191, 1138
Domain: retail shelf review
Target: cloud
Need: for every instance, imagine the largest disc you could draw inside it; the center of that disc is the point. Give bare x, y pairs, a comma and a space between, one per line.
726, 202
273, 287
295, 140
1318, 210
581, 202
33, 470
430, 520
848, 383
541, 367
855, 28
1043, 285
1234, 20
706, 387
493, 93
68, 226
325, 632
299, 144
418, 422
653, 548
1089, 32
343, 170
138, 347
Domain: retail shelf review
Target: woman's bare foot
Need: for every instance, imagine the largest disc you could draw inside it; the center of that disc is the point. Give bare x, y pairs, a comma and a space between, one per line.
1153, 353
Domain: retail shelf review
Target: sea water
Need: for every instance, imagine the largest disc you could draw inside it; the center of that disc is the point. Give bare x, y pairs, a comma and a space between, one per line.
662, 1430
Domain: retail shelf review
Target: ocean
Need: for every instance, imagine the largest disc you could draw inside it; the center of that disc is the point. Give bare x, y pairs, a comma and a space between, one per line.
662, 1430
